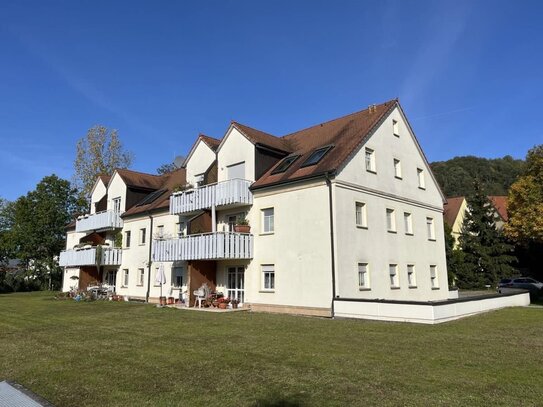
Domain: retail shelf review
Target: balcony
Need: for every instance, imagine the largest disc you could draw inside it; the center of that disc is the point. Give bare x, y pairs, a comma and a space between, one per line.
88, 257
233, 192
99, 221
207, 246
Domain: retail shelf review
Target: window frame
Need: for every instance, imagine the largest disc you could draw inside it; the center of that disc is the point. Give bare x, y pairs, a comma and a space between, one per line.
267, 271
430, 229
421, 178
411, 276
434, 279
174, 275
366, 276
397, 168
141, 277
408, 223
395, 128
285, 164
127, 239
369, 153
126, 277
363, 224
391, 228
143, 236
394, 279
263, 221
324, 151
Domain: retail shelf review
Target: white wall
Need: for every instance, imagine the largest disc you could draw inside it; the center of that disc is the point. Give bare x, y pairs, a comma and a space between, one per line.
200, 160
117, 189
67, 282
98, 193
235, 149
299, 248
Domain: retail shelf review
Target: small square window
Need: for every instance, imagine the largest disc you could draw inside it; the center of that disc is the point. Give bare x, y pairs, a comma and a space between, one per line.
397, 169
370, 160
268, 220
268, 277
363, 276
411, 279
360, 214
393, 274
408, 224
391, 220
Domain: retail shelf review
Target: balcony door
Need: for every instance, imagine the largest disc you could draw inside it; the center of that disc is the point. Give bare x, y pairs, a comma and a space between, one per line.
236, 283
111, 279
236, 171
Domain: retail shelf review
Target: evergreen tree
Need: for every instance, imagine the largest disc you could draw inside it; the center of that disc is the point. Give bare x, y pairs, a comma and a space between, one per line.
487, 257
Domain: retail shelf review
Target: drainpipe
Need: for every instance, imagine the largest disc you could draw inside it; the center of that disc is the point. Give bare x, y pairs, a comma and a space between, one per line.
149, 262
332, 254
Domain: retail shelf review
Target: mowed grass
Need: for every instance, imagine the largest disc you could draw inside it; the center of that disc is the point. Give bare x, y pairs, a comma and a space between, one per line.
120, 354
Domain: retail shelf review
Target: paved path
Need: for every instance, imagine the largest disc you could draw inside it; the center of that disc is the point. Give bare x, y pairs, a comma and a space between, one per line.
14, 395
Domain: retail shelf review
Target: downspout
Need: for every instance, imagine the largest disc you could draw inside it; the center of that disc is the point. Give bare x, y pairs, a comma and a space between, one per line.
149, 262
332, 253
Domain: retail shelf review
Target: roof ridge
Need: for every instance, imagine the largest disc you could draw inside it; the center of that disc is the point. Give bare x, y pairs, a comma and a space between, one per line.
338, 118
137, 172
252, 128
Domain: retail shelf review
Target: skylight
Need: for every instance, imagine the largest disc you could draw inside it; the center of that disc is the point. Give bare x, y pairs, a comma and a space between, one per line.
285, 164
316, 156
152, 197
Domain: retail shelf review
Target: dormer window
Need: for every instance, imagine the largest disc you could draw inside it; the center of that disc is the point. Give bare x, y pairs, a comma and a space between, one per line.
285, 164
316, 156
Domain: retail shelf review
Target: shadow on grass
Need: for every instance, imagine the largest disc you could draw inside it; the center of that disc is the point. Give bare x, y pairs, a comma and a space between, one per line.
279, 400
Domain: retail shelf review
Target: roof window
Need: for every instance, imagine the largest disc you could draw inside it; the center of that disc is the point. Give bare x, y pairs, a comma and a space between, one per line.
285, 164
316, 156
152, 197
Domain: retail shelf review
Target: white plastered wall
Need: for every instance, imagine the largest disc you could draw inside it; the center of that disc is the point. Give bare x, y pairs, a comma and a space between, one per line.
199, 161
236, 149
116, 189
98, 193
72, 239
299, 248
375, 245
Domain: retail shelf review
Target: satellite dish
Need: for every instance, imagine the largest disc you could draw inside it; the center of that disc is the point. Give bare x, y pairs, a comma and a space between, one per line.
178, 161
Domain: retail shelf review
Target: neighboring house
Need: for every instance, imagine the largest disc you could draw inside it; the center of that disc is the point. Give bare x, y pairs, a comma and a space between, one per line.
455, 210
341, 212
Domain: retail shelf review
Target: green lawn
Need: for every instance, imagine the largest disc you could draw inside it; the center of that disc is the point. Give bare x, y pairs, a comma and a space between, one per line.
120, 354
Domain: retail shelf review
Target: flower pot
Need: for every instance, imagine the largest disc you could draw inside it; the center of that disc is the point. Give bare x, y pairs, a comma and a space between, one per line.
223, 305
234, 305
162, 300
170, 300
242, 228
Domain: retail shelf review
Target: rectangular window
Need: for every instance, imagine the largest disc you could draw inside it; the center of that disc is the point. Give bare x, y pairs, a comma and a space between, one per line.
127, 239
316, 156
408, 224
232, 220
125, 277
363, 276
393, 273
430, 229
117, 205
420, 175
267, 220
141, 276
411, 280
180, 229
433, 276
199, 180
268, 277
177, 276
142, 235
160, 232
391, 220
361, 218
395, 129
397, 169
370, 160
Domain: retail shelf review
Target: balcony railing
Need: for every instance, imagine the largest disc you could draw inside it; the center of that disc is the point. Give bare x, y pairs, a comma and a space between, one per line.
234, 191
208, 246
99, 221
88, 257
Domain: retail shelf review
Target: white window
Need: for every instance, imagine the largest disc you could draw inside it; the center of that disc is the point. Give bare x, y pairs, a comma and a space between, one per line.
430, 229
141, 276
408, 223
117, 205
363, 276
397, 169
199, 180
395, 129
268, 277
160, 231
370, 160
420, 175
125, 277
236, 171
393, 273
127, 235
180, 229
267, 220
232, 220
142, 235
411, 279
361, 217
391, 220
178, 274
433, 276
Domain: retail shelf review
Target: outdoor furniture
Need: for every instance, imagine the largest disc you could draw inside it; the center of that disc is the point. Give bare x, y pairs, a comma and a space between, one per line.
200, 296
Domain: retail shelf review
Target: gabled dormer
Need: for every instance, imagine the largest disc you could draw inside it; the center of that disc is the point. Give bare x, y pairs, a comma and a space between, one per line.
98, 200
201, 163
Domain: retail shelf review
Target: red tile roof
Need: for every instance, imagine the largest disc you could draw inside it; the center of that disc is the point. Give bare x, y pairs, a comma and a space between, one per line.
211, 142
451, 209
140, 180
105, 178
259, 137
500, 203
345, 134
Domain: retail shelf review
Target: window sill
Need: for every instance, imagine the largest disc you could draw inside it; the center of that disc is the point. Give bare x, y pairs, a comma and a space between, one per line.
371, 171
361, 227
396, 134
395, 287
141, 244
392, 231
139, 285
412, 286
267, 291
435, 288
124, 286
423, 188
431, 240
409, 234
400, 178
364, 289
266, 233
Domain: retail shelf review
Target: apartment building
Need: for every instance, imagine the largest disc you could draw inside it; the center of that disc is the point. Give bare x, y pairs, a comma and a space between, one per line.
344, 212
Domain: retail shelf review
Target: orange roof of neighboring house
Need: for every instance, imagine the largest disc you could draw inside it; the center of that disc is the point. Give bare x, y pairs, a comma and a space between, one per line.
344, 134
451, 209
500, 203
211, 142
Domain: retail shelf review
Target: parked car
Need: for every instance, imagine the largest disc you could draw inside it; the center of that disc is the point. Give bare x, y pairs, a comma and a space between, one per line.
525, 283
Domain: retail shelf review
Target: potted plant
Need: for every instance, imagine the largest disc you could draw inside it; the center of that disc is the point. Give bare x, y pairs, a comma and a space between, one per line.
223, 302
242, 225
162, 300
235, 303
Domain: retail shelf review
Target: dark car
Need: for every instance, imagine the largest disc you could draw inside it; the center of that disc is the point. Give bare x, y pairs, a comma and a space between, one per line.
525, 283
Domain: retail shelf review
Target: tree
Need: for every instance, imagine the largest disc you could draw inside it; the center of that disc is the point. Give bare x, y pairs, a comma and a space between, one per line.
170, 167
38, 227
453, 255
525, 203
99, 152
486, 256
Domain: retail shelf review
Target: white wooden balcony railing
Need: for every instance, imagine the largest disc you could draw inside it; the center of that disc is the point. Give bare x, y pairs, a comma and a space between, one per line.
233, 191
87, 257
207, 246
98, 221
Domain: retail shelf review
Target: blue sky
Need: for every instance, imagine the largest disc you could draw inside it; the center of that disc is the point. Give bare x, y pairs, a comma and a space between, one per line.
468, 74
